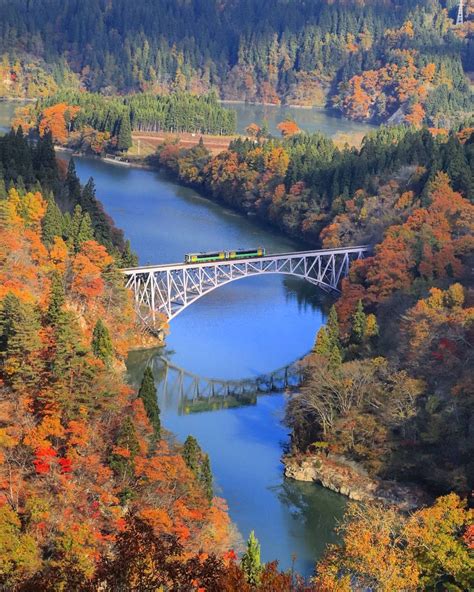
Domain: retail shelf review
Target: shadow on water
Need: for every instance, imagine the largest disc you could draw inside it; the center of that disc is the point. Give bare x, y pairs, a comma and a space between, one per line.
197, 393
311, 509
306, 296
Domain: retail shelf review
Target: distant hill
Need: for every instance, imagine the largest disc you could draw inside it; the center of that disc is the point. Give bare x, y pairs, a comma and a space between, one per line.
365, 59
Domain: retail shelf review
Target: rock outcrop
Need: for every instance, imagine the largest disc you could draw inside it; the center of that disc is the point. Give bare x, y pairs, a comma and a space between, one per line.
350, 479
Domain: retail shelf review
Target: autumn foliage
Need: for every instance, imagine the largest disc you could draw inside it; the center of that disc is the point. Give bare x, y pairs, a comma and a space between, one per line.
77, 451
57, 120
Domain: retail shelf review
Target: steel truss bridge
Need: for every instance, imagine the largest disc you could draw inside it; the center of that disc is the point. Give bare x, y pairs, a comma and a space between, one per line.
175, 381
169, 289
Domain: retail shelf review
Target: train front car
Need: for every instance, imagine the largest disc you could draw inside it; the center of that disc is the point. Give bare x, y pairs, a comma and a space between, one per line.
204, 257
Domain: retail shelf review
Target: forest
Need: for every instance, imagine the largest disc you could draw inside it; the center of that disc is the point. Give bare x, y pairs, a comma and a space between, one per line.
98, 124
372, 60
94, 493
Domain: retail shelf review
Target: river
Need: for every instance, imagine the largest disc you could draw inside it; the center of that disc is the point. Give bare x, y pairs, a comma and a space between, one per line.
310, 120
243, 329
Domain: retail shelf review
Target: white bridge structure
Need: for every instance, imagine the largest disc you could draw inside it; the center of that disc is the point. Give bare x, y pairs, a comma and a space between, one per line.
167, 290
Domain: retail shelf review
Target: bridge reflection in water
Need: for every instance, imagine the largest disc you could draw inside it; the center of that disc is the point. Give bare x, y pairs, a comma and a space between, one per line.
200, 393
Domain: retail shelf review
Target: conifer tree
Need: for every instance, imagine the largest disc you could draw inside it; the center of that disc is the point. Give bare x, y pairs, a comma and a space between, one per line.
251, 561
88, 197
199, 464
68, 356
53, 222
191, 453
84, 233
73, 226
3, 189
148, 395
371, 327
72, 183
99, 220
79, 229
205, 477
56, 299
124, 140
327, 341
126, 438
359, 324
20, 343
333, 328
45, 163
101, 343
128, 257
322, 345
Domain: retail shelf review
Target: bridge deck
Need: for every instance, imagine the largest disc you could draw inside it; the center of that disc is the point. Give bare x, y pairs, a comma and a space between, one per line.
269, 257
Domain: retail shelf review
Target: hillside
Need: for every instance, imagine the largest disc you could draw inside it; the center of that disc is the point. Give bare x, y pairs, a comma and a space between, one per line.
368, 60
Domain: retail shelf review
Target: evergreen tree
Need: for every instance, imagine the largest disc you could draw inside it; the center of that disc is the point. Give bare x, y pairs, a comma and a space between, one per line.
3, 189
192, 453
333, 328
148, 395
45, 163
99, 220
206, 478
101, 343
53, 222
79, 229
199, 464
85, 232
251, 561
73, 184
128, 257
20, 343
124, 140
359, 324
56, 299
72, 229
68, 356
88, 198
123, 466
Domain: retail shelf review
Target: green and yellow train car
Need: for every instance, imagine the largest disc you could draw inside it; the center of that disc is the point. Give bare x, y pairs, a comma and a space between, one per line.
204, 257
245, 254
224, 255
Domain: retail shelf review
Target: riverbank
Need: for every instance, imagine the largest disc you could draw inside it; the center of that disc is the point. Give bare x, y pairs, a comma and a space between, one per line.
350, 479
145, 143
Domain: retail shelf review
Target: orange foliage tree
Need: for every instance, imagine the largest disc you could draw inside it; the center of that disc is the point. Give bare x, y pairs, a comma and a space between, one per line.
57, 120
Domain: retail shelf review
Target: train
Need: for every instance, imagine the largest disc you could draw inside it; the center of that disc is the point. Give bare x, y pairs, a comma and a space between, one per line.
224, 255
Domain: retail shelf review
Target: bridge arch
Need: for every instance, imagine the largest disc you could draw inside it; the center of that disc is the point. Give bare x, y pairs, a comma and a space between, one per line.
169, 289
